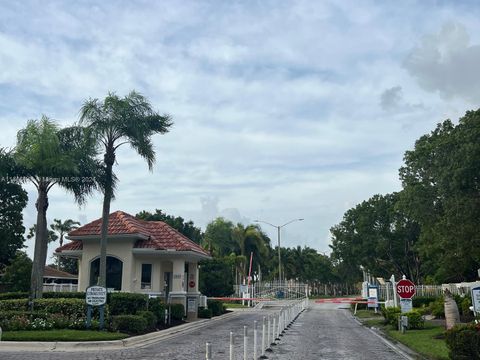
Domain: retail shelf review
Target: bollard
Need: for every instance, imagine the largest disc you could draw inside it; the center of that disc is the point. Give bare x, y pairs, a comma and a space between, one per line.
255, 339
231, 345
273, 330
208, 355
280, 323
268, 335
245, 343
263, 340
0, 333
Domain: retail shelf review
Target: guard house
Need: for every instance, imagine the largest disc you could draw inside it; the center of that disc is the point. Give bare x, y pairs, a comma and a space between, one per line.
142, 257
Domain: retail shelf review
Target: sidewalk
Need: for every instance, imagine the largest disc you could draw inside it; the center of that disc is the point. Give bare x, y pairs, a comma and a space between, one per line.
131, 342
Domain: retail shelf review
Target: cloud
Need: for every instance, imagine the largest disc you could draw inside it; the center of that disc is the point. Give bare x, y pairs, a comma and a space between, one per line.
281, 109
392, 99
447, 63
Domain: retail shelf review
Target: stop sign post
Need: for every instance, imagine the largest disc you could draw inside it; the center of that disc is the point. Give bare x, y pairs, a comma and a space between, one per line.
406, 289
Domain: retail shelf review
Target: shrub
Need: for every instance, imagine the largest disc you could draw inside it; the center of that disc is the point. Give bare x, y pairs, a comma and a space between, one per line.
177, 311
463, 342
14, 305
63, 295
66, 307
423, 301
415, 319
127, 303
391, 315
131, 324
437, 308
216, 306
157, 306
204, 313
150, 318
14, 295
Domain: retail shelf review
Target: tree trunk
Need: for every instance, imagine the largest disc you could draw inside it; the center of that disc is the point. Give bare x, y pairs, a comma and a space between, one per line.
452, 316
109, 160
41, 244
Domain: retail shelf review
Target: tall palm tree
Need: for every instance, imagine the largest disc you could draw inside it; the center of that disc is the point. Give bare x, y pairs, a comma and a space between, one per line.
49, 156
249, 239
117, 121
63, 227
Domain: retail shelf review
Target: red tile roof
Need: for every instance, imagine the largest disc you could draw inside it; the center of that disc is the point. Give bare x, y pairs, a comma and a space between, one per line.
54, 273
161, 236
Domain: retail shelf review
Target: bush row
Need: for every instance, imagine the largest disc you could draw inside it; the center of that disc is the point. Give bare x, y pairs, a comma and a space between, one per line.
415, 317
463, 342
58, 313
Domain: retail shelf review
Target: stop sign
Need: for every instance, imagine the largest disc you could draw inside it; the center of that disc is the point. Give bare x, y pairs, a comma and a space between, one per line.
406, 289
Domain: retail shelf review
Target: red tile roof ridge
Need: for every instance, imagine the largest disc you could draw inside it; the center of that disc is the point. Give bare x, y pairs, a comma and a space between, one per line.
160, 234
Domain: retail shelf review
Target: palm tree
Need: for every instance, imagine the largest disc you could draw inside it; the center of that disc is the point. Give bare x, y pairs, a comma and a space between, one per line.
47, 156
63, 227
51, 235
117, 121
249, 239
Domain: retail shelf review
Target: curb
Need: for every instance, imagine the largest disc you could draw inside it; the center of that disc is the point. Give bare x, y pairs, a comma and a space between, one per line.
400, 349
132, 342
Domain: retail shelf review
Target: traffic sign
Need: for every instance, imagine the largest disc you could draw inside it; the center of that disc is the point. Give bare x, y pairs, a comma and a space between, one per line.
406, 289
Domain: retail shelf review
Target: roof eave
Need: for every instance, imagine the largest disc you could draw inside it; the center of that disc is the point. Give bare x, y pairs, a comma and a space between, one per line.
165, 253
69, 253
135, 236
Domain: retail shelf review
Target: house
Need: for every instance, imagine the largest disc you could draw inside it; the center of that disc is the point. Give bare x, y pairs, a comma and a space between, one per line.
54, 276
142, 257
57, 280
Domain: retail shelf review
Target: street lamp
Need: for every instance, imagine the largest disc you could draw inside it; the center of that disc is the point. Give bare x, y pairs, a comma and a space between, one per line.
278, 238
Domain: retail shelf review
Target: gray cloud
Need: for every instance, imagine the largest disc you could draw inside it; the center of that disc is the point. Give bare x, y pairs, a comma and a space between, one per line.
392, 99
447, 63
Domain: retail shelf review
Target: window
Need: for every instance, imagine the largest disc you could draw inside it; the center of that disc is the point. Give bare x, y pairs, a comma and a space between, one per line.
146, 276
114, 272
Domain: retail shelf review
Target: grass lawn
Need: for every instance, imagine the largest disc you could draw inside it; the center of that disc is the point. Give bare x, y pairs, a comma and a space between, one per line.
234, 306
61, 335
363, 314
423, 341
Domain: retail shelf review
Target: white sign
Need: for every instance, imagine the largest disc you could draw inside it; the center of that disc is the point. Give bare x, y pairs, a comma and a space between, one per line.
96, 295
192, 305
476, 299
406, 305
373, 292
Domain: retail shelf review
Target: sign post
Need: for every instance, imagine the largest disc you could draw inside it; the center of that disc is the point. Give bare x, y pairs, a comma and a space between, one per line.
96, 296
406, 290
372, 299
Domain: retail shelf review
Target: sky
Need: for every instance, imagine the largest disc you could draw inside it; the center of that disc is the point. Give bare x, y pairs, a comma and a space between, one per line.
281, 109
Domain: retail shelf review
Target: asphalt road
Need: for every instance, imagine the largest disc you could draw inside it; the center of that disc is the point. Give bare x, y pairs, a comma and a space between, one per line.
323, 331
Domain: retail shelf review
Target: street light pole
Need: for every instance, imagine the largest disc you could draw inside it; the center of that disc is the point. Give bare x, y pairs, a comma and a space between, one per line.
278, 227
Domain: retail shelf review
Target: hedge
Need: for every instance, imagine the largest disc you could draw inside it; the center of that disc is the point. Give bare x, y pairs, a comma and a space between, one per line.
177, 311
216, 306
21, 320
463, 342
204, 313
127, 303
391, 315
150, 318
416, 320
423, 301
131, 324
157, 307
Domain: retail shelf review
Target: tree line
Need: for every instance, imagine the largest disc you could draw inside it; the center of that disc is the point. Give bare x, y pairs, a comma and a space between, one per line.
428, 231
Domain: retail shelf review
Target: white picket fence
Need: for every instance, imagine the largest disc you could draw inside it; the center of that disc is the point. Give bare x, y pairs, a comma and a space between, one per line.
60, 287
